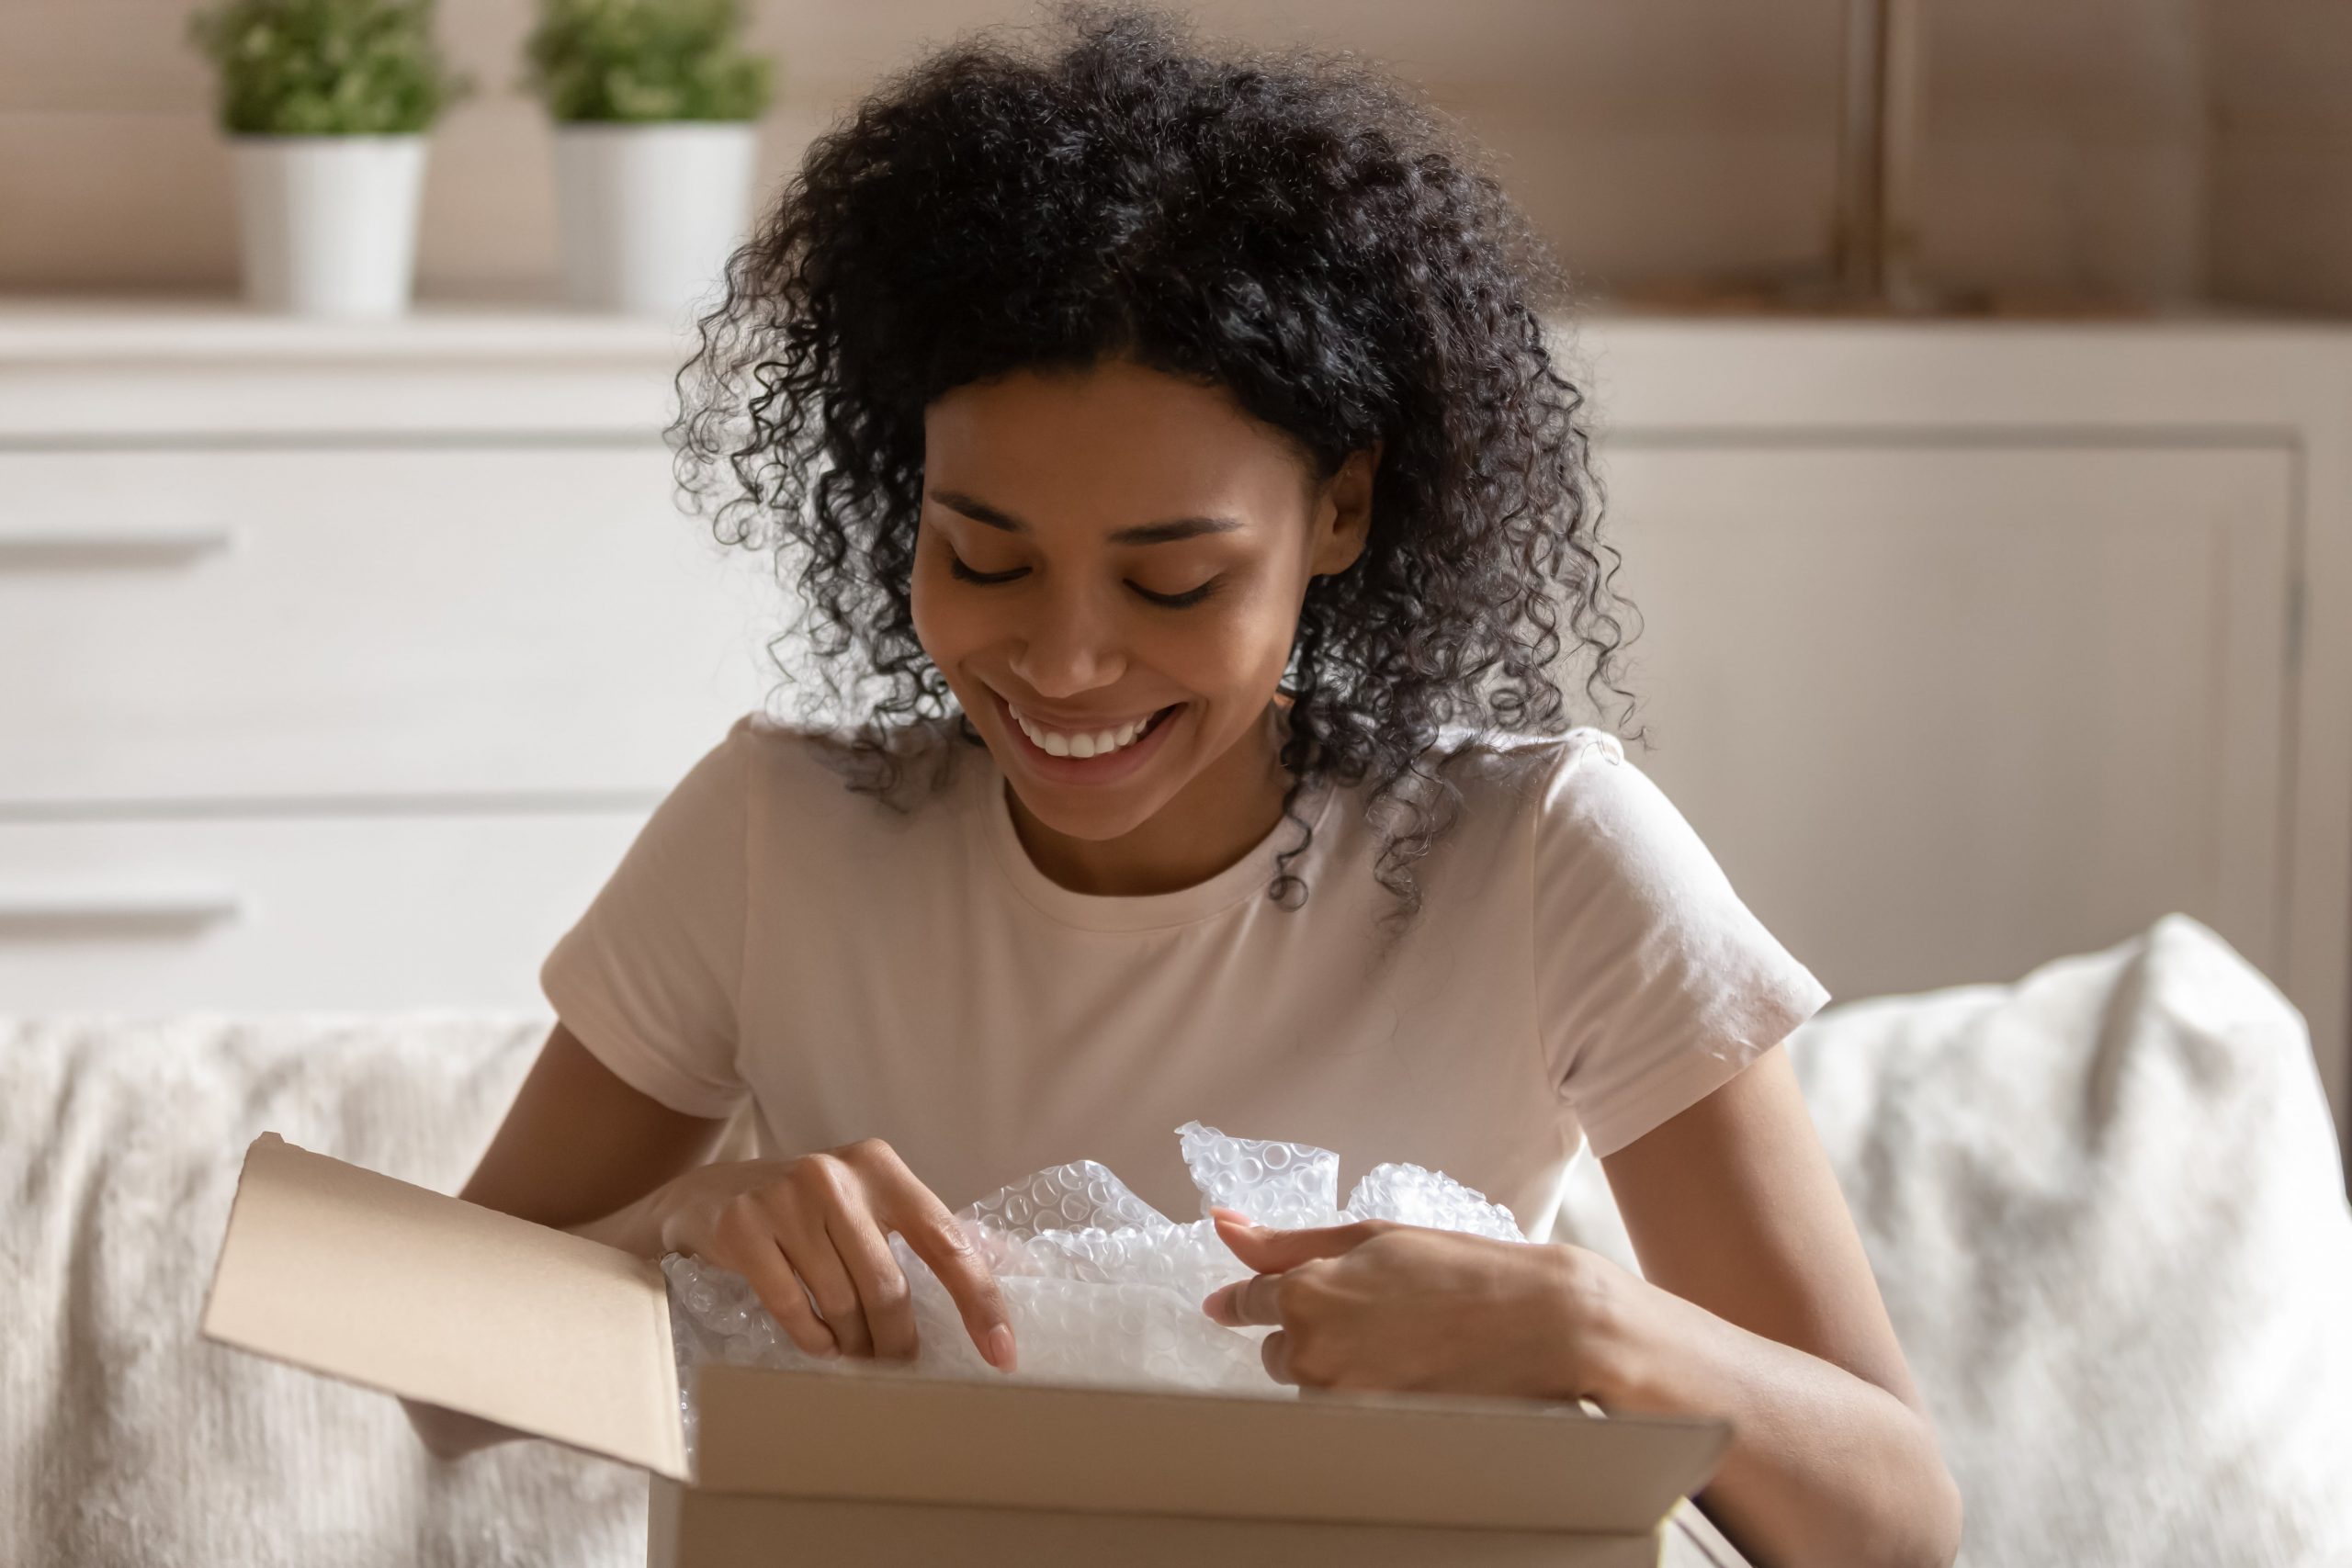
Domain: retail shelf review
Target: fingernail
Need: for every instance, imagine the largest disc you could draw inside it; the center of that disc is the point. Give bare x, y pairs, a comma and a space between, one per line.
1000, 1348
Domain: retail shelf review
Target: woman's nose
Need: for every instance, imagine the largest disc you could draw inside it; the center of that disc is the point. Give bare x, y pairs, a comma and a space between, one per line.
1069, 650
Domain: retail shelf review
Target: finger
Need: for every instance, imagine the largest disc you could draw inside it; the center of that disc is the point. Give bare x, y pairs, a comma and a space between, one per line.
1275, 1354
1248, 1303
881, 1285
809, 1248
780, 1290
933, 1235
1273, 1252
745, 1241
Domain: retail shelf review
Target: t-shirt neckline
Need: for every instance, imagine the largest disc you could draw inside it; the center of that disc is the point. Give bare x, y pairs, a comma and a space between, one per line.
1250, 877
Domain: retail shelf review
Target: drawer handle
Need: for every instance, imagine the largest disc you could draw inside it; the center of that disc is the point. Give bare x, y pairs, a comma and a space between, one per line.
129, 549
65, 918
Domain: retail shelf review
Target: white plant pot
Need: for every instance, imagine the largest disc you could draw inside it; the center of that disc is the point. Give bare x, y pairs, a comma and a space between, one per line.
648, 214
329, 222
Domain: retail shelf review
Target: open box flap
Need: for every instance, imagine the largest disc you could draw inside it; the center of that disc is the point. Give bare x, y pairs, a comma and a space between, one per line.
877, 1436
351, 1273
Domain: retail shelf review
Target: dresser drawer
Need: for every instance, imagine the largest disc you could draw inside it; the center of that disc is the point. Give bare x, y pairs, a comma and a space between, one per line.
326, 624
303, 913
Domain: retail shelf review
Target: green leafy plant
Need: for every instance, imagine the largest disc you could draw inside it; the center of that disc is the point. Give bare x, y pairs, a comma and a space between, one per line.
645, 60
327, 67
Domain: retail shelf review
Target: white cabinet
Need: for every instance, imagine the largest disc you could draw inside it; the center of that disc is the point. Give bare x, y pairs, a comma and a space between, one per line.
296, 622
253, 911
339, 664
1975, 644
1947, 711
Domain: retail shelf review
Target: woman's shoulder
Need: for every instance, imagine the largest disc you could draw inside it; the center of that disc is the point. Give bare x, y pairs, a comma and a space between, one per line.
1534, 771
822, 769
1508, 799
908, 761
1576, 801
1598, 828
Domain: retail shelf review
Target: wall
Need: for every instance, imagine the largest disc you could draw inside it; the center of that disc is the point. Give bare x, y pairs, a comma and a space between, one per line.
2066, 153
2282, 157
2062, 153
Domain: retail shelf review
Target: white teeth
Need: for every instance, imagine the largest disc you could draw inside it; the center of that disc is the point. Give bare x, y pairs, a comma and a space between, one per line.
1059, 743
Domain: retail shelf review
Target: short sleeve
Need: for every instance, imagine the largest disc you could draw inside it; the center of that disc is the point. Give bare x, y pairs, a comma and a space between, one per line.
1654, 982
648, 978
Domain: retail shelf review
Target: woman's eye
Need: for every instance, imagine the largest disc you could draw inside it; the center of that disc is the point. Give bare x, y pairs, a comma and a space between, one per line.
962, 573
1178, 601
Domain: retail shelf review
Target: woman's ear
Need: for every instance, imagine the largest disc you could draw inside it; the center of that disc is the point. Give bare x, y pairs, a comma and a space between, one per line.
1343, 513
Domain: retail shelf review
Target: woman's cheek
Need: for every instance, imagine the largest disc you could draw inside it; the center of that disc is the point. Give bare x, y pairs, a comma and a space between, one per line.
943, 626
1223, 650
1258, 625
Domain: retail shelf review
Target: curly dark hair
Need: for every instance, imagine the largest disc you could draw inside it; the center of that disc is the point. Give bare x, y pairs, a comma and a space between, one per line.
1294, 228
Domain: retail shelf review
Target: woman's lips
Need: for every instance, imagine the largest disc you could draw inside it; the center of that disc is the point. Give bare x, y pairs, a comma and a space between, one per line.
1109, 768
1119, 732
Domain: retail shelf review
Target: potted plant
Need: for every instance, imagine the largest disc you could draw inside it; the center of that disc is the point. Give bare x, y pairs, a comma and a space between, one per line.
653, 102
326, 103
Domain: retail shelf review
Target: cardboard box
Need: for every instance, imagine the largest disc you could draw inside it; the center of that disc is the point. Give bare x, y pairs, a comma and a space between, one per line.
352, 1274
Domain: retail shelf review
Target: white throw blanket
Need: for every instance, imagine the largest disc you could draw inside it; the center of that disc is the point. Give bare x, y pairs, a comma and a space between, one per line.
2106, 1214
124, 1440
2104, 1206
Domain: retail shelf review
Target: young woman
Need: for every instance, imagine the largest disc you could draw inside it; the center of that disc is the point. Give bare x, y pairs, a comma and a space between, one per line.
1190, 522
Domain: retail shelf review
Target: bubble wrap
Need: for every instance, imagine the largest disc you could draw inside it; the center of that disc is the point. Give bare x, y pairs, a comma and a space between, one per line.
1102, 1287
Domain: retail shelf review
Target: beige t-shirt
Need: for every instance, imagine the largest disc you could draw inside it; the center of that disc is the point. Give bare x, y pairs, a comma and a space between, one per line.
1579, 965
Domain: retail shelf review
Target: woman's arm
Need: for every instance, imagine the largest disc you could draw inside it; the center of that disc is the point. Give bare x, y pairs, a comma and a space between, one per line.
578, 1147
582, 1151
1759, 1306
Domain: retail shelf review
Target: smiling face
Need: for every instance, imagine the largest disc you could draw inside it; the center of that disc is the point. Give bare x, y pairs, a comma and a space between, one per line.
1108, 571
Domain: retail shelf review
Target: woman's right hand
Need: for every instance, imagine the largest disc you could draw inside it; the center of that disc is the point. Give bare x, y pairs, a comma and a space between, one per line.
812, 1237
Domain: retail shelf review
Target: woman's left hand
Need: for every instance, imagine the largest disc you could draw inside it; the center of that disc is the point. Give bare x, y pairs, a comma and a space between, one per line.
1376, 1306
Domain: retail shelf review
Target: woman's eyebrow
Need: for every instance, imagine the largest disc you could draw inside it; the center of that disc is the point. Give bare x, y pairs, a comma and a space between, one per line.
977, 510
1174, 528
1163, 532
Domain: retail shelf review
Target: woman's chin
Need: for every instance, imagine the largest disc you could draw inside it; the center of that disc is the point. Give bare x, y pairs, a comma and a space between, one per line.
1092, 816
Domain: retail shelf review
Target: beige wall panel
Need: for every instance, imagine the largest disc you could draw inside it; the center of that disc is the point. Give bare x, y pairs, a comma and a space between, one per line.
1650, 139
2282, 190
2063, 147
1982, 704
106, 202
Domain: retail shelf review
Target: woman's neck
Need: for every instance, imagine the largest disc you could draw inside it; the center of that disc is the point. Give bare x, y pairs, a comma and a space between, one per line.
1212, 823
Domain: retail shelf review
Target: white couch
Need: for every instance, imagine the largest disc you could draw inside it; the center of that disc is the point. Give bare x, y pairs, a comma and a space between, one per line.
2105, 1206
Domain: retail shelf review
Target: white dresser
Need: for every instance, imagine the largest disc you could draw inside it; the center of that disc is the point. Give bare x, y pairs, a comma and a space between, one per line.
337, 665
1972, 645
